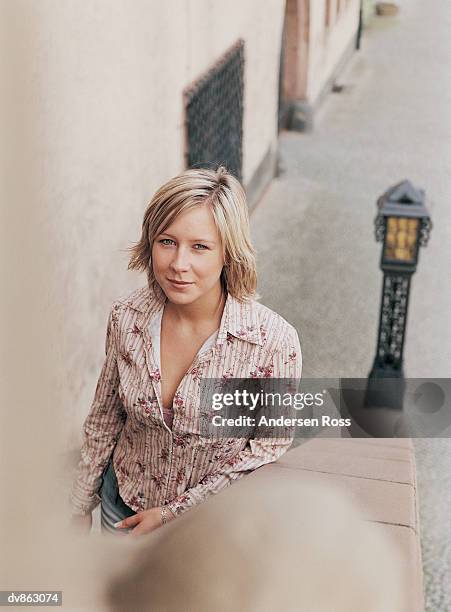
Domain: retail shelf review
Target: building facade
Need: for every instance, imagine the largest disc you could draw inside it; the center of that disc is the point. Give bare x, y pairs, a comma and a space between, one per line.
319, 37
106, 100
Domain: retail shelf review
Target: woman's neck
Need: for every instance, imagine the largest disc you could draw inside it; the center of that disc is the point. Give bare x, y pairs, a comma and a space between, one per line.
205, 310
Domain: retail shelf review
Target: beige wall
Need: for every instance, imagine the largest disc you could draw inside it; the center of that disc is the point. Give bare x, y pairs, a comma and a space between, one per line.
314, 50
92, 121
327, 45
215, 27
95, 124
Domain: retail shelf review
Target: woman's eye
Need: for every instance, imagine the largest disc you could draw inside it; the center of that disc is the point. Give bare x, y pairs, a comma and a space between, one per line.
200, 247
166, 241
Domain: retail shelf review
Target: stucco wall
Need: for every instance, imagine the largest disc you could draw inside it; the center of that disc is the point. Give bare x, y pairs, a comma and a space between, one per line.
327, 45
215, 26
94, 125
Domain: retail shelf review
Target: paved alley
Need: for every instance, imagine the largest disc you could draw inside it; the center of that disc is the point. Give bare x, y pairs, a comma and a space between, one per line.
314, 230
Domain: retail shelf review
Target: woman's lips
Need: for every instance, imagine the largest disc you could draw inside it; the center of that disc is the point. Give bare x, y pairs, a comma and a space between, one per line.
179, 284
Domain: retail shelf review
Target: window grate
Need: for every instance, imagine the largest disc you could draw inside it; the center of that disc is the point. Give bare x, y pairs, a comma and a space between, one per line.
214, 115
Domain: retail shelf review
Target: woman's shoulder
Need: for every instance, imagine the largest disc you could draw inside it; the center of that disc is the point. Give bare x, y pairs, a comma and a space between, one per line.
139, 299
277, 331
130, 308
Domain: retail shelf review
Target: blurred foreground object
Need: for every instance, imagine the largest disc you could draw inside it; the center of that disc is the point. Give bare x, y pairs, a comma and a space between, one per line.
279, 539
403, 224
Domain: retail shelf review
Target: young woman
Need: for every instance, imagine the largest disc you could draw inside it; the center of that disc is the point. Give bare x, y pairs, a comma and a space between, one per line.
144, 456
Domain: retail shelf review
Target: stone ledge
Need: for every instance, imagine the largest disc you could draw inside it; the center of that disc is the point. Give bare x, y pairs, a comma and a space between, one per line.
348, 462
380, 476
379, 500
277, 539
359, 447
408, 544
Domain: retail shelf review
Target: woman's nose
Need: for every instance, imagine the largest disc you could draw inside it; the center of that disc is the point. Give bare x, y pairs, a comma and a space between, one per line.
181, 262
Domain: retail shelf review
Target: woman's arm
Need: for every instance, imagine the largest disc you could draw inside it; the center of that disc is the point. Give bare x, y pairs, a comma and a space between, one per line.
287, 364
101, 430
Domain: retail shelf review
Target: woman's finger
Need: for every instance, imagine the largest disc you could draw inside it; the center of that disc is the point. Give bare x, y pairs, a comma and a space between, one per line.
130, 521
143, 527
139, 530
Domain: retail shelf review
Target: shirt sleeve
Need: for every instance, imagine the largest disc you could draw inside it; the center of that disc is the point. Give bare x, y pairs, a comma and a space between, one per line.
287, 363
101, 431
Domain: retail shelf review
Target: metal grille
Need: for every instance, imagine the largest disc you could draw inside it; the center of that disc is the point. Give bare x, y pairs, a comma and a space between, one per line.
393, 320
214, 115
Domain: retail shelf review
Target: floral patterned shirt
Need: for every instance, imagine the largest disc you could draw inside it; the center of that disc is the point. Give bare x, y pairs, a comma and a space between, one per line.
155, 334
156, 465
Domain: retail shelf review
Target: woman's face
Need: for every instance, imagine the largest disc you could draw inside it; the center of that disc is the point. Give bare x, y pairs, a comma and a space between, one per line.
189, 251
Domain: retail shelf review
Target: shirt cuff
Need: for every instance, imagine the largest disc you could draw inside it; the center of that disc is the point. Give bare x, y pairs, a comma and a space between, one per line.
82, 505
181, 504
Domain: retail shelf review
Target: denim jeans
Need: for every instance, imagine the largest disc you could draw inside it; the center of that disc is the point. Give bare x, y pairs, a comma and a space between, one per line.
112, 508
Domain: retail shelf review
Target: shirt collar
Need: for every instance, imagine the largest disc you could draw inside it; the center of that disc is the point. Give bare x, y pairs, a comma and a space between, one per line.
239, 319
148, 304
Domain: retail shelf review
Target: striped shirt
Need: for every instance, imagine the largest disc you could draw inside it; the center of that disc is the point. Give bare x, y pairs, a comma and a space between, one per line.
158, 465
155, 334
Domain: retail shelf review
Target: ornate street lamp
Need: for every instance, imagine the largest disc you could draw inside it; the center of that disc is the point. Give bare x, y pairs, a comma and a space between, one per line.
403, 224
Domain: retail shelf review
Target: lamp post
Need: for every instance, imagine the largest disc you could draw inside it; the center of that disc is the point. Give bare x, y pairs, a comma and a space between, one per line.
402, 224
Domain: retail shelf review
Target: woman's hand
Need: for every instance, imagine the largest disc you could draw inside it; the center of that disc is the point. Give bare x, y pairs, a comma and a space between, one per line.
144, 521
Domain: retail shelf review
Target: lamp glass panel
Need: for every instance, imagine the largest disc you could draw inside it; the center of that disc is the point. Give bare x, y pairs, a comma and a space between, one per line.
401, 239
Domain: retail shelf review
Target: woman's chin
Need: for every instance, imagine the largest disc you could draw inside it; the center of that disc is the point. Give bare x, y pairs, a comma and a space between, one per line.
179, 297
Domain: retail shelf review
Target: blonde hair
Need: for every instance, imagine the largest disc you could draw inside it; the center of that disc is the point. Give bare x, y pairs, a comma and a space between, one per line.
227, 200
